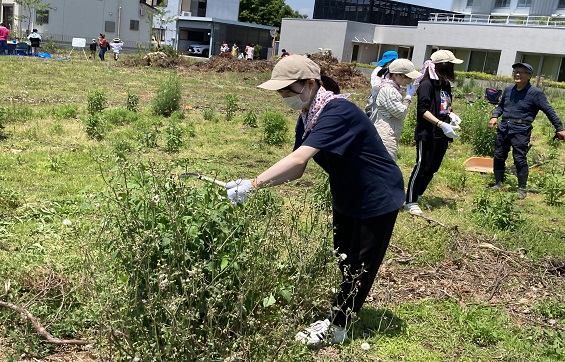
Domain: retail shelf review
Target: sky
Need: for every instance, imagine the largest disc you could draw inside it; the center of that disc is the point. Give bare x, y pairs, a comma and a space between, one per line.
306, 7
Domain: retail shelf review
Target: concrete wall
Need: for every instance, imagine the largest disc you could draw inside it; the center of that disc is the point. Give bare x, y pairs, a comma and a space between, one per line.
222, 9
299, 36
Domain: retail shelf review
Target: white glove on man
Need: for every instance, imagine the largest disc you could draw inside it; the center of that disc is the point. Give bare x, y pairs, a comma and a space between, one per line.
449, 130
410, 90
455, 120
239, 190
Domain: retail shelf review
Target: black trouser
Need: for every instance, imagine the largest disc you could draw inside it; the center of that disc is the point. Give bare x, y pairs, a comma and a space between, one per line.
429, 155
364, 241
520, 143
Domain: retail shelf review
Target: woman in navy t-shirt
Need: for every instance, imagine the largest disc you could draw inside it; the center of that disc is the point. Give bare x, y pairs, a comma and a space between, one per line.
366, 184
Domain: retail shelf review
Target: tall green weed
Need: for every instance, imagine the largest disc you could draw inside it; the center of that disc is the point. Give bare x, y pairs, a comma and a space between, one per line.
168, 96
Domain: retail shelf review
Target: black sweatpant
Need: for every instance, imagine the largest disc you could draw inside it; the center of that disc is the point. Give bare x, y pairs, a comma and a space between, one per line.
429, 155
520, 143
364, 242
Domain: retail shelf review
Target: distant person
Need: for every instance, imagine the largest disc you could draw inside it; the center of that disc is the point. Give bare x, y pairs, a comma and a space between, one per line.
93, 48
284, 53
234, 50
435, 123
4, 35
518, 107
224, 48
116, 46
35, 40
103, 43
385, 60
390, 106
249, 50
154, 44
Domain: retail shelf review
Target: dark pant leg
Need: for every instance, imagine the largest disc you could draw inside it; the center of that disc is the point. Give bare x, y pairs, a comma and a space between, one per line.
429, 155
364, 242
520, 147
501, 148
433, 159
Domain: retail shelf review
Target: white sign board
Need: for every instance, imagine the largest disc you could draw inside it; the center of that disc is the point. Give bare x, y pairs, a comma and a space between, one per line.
79, 42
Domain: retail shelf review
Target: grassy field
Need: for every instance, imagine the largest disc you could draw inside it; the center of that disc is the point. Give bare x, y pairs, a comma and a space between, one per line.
480, 280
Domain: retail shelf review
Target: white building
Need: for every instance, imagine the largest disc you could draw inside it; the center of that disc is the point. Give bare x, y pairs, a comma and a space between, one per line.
64, 20
490, 35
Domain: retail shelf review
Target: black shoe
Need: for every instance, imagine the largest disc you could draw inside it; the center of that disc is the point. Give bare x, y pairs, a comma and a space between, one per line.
497, 186
522, 194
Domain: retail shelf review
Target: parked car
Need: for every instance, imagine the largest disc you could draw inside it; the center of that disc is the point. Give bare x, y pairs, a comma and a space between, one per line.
199, 49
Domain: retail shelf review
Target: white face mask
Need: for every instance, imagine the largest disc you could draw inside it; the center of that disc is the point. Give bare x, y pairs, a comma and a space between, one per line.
296, 103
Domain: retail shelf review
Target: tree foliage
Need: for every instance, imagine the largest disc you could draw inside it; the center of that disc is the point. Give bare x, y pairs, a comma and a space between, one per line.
266, 12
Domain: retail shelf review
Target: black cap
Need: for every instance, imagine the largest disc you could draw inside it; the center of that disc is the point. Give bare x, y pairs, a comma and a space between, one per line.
525, 65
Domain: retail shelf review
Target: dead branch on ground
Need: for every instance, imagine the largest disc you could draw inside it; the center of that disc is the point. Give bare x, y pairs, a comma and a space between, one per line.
40, 329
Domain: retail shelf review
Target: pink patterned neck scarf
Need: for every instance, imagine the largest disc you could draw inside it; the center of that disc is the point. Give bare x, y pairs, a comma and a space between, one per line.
322, 98
431, 67
387, 82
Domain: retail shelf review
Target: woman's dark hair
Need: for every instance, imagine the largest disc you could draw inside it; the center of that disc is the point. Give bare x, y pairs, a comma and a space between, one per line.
330, 84
383, 71
445, 71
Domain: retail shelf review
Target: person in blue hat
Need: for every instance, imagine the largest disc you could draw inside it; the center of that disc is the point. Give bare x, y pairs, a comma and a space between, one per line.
518, 107
387, 58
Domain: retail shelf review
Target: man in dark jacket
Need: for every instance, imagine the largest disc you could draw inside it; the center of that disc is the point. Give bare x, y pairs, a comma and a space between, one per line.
518, 108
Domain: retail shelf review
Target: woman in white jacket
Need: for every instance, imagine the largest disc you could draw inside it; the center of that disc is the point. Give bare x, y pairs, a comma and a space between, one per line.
391, 107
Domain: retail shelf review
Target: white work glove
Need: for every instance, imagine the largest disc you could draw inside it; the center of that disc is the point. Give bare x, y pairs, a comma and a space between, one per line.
449, 130
239, 190
410, 90
455, 120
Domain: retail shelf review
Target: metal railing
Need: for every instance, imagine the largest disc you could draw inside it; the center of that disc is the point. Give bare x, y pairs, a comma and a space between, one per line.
523, 20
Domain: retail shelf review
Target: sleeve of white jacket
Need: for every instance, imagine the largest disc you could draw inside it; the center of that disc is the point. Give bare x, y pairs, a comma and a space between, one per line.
375, 79
391, 100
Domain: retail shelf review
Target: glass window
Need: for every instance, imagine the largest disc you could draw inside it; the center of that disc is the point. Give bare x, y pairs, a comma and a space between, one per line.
561, 4
524, 3
469, 3
109, 26
134, 25
42, 17
502, 4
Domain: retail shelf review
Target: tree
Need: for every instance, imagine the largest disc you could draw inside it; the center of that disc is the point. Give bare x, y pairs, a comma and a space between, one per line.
266, 12
31, 6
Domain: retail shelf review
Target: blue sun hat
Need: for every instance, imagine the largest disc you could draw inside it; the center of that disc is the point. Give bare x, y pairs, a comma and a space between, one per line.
388, 57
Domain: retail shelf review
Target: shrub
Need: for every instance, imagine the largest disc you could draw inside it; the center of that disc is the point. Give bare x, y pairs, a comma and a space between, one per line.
94, 127
275, 128
168, 96
96, 101
209, 114
474, 128
199, 279
407, 134
132, 102
250, 119
147, 136
66, 111
496, 210
173, 135
120, 116
3, 117
231, 106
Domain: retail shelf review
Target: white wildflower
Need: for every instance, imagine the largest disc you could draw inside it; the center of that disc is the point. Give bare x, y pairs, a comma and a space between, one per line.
67, 222
343, 256
365, 346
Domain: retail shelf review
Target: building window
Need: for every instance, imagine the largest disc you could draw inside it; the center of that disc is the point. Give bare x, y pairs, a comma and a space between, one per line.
561, 4
109, 26
42, 16
469, 3
486, 62
502, 4
524, 3
134, 25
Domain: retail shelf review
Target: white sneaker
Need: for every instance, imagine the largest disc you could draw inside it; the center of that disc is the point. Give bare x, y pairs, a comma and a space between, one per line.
322, 331
413, 208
